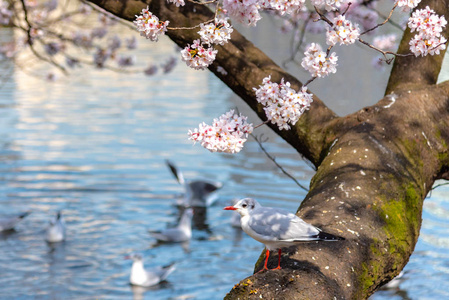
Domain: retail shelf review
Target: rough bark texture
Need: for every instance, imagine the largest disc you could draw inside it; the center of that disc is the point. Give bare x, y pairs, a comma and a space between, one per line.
374, 167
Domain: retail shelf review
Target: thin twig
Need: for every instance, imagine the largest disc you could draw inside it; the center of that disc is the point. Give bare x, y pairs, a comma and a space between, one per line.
263, 123
386, 20
30, 41
385, 17
273, 159
193, 27
385, 53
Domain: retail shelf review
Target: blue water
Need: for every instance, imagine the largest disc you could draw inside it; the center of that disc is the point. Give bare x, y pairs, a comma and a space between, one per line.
93, 145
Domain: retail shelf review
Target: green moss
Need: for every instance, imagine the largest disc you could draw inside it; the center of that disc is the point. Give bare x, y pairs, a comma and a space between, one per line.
401, 219
366, 279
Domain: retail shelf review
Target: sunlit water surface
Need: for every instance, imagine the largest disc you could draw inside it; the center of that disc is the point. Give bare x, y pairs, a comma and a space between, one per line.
93, 145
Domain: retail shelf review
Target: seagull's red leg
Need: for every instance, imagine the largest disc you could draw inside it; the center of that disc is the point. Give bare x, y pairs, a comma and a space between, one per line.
279, 260
267, 255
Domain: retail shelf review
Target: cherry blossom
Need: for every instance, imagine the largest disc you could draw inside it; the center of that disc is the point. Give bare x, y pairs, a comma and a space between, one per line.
422, 44
426, 21
53, 48
198, 57
178, 3
317, 63
428, 26
150, 70
82, 39
149, 25
385, 42
343, 32
126, 61
364, 16
227, 134
218, 32
5, 13
408, 4
283, 6
283, 106
245, 12
329, 5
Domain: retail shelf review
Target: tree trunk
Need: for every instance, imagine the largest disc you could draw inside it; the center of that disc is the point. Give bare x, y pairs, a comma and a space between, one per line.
374, 167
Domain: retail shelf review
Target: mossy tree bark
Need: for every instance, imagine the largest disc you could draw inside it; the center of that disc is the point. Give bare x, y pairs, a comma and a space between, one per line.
374, 167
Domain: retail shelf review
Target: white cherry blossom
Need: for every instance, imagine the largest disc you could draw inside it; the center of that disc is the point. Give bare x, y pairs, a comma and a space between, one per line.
227, 134
317, 63
218, 32
343, 32
198, 57
149, 25
283, 106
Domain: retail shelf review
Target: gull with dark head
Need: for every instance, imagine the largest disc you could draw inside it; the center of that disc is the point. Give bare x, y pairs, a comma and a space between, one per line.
276, 228
198, 192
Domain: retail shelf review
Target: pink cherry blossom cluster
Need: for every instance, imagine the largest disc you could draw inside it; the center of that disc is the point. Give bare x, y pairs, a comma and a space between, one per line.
428, 25
227, 134
198, 57
5, 13
218, 32
329, 5
178, 3
244, 11
408, 4
283, 6
317, 63
149, 25
385, 42
343, 32
283, 106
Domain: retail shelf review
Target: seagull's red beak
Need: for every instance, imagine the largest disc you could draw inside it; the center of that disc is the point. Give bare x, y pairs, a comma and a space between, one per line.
230, 208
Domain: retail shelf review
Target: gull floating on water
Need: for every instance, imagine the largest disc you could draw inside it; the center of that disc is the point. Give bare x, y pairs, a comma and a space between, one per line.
141, 277
178, 234
197, 192
276, 228
56, 231
8, 223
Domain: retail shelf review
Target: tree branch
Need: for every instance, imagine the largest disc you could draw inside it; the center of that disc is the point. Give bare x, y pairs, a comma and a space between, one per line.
246, 66
411, 72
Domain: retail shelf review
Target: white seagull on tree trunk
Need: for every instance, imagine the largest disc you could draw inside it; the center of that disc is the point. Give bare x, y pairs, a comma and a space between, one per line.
276, 228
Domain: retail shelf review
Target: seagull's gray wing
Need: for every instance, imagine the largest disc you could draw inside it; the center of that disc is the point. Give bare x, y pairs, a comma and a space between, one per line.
178, 175
170, 235
280, 225
199, 192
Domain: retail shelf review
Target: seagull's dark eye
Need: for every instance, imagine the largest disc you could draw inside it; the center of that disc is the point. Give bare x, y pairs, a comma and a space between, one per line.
244, 205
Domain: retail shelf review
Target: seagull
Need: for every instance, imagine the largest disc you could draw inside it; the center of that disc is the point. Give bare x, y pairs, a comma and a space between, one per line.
8, 223
56, 231
141, 277
276, 228
178, 234
197, 192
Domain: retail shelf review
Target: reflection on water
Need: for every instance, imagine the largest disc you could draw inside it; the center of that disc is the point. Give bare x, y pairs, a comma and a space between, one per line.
96, 149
